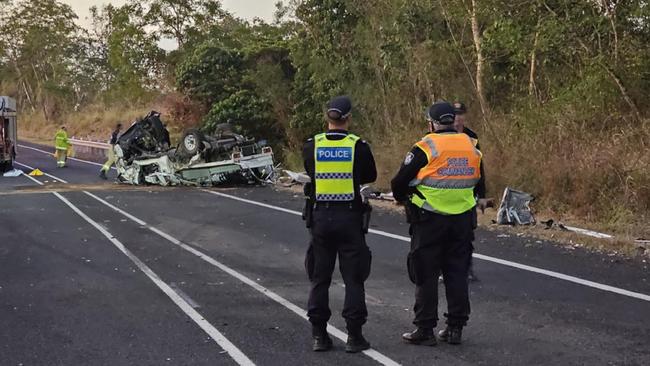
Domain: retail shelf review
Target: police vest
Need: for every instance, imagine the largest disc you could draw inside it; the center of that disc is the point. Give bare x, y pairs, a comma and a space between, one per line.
446, 183
334, 166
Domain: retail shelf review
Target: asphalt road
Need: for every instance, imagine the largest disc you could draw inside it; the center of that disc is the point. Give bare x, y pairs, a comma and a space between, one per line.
102, 274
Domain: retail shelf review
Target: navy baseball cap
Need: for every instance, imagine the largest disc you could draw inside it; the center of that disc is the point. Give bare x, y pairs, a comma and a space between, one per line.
441, 112
342, 105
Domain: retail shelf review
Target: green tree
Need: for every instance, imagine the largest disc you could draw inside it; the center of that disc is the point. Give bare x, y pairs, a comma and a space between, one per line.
38, 39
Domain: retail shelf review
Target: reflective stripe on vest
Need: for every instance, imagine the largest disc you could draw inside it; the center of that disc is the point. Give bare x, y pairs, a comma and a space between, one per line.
334, 166
447, 181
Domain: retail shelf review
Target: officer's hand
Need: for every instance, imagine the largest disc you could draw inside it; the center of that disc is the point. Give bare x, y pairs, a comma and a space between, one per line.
484, 203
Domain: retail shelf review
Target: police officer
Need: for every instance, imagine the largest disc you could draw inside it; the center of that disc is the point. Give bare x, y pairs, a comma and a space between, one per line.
337, 162
479, 191
436, 183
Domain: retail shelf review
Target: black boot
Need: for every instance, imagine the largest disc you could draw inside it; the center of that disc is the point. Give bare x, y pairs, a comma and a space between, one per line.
102, 174
322, 340
356, 342
451, 335
421, 336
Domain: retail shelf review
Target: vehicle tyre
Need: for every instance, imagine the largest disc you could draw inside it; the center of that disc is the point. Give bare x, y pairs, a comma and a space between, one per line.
192, 142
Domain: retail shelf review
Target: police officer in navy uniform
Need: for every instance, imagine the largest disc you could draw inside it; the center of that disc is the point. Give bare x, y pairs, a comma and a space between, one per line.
479, 190
338, 163
436, 183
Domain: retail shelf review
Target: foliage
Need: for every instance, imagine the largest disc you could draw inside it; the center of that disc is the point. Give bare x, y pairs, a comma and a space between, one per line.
555, 88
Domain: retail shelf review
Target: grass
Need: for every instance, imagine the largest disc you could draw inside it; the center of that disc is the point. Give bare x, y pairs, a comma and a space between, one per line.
586, 175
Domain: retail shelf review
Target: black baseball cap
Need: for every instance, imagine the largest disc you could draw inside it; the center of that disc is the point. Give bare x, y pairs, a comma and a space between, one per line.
460, 107
342, 105
441, 112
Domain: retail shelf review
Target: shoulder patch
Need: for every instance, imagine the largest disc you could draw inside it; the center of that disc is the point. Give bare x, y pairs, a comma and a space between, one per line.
409, 158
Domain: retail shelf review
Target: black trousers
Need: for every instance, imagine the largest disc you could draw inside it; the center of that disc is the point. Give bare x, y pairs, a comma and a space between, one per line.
337, 232
441, 243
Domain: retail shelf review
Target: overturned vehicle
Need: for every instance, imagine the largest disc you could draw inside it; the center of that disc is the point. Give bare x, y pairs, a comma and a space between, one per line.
145, 156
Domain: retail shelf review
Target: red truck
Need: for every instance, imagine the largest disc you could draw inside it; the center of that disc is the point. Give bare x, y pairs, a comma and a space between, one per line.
8, 133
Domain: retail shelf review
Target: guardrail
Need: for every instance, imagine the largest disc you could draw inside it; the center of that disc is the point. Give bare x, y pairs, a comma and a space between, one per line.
89, 143
90, 147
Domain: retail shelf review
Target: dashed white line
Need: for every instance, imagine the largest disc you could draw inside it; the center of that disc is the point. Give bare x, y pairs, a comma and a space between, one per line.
504, 262
187, 308
375, 355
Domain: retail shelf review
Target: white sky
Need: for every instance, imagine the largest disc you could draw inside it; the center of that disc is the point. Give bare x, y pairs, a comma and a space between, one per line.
247, 9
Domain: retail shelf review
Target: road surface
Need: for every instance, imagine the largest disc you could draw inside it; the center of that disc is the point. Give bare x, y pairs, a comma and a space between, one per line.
94, 273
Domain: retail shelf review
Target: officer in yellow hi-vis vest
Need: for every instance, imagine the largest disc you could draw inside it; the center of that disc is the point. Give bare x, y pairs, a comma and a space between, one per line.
436, 183
337, 162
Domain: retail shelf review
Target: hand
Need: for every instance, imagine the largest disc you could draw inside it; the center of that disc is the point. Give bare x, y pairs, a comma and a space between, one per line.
484, 203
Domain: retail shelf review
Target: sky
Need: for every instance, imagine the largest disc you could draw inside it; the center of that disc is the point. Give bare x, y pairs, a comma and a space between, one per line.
247, 9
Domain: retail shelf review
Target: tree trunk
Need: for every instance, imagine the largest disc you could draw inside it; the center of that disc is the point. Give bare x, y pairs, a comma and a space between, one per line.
480, 60
624, 93
533, 63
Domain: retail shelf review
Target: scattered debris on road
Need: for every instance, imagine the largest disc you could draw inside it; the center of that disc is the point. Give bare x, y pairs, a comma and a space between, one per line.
145, 156
515, 209
13, 173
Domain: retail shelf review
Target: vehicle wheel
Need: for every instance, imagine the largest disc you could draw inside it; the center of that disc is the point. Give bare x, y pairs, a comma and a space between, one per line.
192, 142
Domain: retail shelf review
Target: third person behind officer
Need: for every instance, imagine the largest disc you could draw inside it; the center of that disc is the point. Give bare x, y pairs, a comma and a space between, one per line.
338, 163
479, 191
436, 183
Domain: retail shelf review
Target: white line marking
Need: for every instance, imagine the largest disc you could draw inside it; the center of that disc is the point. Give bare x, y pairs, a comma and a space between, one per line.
34, 179
504, 262
49, 175
375, 355
222, 341
185, 296
49, 153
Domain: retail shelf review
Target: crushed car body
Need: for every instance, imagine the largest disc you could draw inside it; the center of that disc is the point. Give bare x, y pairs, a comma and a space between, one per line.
145, 156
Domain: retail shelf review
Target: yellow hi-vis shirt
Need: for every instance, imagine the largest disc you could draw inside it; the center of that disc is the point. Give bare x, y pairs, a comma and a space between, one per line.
334, 166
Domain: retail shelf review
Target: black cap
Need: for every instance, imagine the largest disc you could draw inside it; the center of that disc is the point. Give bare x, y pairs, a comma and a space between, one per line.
341, 105
441, 112
460, 108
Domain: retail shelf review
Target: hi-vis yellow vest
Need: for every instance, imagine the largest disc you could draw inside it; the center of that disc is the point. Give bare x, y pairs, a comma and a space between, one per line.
447, 181
61, 140
334, 168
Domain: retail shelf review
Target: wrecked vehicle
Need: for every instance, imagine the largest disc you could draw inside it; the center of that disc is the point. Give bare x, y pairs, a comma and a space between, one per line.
145, 156
515, 208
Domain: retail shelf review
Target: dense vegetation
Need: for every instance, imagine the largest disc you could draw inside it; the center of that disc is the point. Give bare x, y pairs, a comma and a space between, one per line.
557, 89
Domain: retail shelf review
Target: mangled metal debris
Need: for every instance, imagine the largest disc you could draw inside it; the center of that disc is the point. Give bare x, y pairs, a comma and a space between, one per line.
515, 209
145, 156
